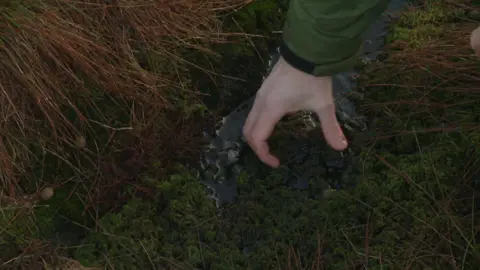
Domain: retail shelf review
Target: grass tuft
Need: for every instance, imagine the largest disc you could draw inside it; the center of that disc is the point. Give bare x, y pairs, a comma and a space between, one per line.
72, 68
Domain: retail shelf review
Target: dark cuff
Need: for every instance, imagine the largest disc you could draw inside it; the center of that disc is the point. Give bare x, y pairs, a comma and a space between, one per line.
295, 61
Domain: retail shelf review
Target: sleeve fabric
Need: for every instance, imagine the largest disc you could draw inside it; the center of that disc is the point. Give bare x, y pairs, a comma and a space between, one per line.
324, 37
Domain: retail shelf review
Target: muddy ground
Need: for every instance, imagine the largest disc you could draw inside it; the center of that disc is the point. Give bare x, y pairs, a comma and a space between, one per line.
406, 198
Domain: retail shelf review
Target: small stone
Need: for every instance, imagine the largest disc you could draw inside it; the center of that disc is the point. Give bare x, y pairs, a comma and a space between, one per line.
206, 135
47, 193
80, 142
232, 157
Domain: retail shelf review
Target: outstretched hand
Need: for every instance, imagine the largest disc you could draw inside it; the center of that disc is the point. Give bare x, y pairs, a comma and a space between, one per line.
288, 90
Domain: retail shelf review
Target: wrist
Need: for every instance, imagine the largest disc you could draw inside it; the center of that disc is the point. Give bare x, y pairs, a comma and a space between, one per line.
298, 74
295, 61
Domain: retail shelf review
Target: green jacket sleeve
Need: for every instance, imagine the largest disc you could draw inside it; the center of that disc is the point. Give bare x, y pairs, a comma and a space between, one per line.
324, 37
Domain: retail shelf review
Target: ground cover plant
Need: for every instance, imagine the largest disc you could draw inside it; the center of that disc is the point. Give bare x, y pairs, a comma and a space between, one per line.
91, 92
414, 205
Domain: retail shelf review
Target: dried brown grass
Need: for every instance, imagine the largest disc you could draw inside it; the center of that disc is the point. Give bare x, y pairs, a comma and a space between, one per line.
59, 56
433, 86
423, 89
436, 82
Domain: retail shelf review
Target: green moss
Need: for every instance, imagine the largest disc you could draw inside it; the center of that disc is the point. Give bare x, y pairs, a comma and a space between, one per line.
420, 25
18, 226
412, 207
64, 218
61, 220
169, 230
395, 208
65, 211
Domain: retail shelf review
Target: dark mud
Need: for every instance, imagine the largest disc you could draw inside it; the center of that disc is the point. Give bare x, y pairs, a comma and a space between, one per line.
307, 156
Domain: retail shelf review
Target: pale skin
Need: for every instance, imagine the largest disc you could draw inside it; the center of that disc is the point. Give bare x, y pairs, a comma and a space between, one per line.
475, 40
288, 90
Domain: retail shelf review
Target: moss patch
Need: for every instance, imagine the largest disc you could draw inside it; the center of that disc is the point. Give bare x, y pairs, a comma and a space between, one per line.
420, 24
406, 210
415, 204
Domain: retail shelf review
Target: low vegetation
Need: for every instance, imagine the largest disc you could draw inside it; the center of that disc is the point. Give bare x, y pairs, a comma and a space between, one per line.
120, 200
95, 95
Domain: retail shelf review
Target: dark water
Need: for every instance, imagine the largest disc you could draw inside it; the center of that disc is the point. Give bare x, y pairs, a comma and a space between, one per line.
221, 160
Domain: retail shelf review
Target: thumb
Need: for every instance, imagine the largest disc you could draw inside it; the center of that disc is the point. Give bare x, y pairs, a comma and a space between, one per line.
331, 128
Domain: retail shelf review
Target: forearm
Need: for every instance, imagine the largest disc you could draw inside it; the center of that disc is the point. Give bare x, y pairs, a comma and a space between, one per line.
325, 37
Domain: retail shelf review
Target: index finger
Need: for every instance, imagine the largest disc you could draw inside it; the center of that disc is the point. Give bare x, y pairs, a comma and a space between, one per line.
261, 131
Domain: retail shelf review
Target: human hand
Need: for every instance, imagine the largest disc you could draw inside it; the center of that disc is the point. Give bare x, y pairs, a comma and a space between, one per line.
475, 40
288, 90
